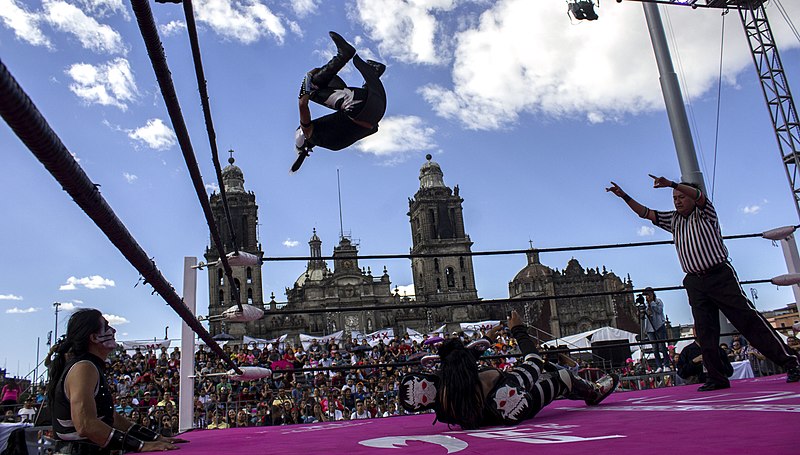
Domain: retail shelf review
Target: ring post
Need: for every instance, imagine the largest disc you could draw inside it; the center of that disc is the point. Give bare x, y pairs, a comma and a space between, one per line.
186, 392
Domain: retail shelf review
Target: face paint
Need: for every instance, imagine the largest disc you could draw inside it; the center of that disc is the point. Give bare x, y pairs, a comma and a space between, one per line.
106, 337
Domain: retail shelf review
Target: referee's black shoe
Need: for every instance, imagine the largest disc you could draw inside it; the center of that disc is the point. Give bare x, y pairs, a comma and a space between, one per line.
793, 374
709, 386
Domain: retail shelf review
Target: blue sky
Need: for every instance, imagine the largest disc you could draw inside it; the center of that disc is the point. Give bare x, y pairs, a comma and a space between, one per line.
529, 113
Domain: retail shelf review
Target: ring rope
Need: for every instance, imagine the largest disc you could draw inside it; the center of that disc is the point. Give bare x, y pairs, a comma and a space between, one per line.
19, 111
416, 305
486, 357
155, 50
493, 252
202, 87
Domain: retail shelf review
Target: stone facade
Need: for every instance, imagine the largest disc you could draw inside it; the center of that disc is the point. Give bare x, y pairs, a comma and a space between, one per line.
244, 215
562, 317
444, 274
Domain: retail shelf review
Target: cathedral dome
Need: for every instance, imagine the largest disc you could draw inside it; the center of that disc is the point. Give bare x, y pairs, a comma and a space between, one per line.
233, 177
310, 276
431, 175
534, 270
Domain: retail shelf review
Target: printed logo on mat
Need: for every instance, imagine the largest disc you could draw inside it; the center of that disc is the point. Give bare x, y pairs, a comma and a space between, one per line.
552, 434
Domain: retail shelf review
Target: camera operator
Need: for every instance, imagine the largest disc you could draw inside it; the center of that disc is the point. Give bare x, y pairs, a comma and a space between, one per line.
656, 328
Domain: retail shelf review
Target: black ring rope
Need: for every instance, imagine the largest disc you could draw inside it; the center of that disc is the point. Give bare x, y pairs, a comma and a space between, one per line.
202, 87
494, 252
20, 113
155, 50
542, 352
416, 305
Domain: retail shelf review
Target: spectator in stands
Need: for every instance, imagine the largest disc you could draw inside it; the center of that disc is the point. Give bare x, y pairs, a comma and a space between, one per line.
10, 393
217, 423
360, 412
690, 364
794, 344
27, 413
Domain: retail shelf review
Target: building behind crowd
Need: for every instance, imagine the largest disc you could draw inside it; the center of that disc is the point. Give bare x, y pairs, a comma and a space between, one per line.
444, 273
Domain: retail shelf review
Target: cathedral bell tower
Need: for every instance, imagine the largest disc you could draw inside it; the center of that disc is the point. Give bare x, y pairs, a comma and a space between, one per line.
437, 227
244, 215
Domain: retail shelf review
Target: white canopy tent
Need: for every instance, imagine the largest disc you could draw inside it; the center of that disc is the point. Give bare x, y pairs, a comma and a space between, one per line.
585, 339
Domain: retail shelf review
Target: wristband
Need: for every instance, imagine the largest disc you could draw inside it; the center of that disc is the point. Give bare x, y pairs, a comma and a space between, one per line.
118, 440
305, 125
626, 198
673, 185
143, 433
645, 213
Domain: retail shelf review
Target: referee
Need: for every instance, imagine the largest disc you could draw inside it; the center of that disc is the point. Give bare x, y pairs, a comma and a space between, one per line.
710, 282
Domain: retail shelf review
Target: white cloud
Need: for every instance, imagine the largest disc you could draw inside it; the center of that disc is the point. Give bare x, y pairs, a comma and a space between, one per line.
155, 134
24, 23
89, 282
16, 310
398, 135
289, 243
68, 306
246, 21
304, 7
407, 290
92, 35
212, 187
172, 27
10, 297
407, 30
107, 84
751, 209
103, 8
113, 319
645, 231
522, 57
130, 178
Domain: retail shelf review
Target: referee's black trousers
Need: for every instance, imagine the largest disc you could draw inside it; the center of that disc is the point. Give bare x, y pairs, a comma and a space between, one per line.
717, 290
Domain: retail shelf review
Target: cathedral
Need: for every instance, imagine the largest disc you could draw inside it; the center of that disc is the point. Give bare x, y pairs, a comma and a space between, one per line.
442, 272
553, 318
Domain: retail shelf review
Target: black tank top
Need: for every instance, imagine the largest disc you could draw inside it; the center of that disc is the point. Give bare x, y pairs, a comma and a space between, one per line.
63, 427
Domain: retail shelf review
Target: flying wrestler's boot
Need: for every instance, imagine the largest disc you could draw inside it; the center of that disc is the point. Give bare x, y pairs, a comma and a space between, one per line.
321, 77
590, 392
378, 66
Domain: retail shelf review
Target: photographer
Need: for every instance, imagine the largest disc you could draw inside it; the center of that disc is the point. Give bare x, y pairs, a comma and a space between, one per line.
656, 328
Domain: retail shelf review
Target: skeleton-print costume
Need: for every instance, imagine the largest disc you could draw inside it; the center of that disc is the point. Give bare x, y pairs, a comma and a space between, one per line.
517, 395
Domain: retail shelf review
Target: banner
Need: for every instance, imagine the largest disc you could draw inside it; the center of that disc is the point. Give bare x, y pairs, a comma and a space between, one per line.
418, 337
471, 327
261, 342
307, 339
372, 338
144, 344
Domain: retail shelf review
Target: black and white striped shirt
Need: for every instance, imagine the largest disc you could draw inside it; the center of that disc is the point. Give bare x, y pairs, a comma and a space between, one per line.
697, 237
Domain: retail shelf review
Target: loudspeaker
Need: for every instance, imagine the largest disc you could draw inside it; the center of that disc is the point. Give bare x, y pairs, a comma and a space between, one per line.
610, 351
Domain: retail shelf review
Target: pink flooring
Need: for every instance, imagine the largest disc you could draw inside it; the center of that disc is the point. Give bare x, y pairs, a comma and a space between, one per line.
753, 415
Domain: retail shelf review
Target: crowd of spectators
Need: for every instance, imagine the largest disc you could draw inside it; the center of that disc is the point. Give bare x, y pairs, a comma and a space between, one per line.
146, 382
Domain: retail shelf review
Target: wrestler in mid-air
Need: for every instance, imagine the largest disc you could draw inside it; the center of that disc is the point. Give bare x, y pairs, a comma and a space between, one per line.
357, 109
461, 393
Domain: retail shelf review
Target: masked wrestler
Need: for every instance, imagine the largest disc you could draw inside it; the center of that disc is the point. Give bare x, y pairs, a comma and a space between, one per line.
84, 420
357, 109
460, 393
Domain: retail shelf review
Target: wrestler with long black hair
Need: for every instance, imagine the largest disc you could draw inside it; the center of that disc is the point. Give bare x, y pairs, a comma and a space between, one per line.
84, 420
462, 394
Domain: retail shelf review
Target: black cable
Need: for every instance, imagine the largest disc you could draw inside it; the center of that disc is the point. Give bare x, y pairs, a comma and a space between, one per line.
543, 352
18, 110
155, 50
413, 305
494, 252
212, 135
